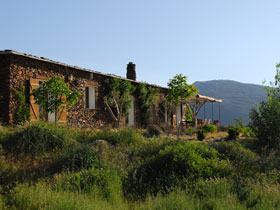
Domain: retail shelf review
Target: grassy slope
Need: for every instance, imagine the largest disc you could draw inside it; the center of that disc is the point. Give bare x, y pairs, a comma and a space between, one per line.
32, 180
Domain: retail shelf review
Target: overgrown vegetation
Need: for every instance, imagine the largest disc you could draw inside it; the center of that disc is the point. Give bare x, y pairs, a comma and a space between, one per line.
69, 168
23, 112
200, 133
178, 91
54, 96
265, 117
210, 128
148, 101
118, 99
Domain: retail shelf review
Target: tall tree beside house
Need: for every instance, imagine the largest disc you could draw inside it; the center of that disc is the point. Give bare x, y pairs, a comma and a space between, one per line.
54, 96
118, 98
179, 90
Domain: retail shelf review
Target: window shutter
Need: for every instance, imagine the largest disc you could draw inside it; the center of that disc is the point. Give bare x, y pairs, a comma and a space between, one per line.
62, 113
62, 116
174, 120
87, 97
34, 108
91, 97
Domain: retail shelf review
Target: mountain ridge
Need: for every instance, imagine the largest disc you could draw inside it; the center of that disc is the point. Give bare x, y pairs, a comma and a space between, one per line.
238, 99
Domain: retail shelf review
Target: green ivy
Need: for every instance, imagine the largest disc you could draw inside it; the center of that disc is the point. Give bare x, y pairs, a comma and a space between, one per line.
23, 112
147, 100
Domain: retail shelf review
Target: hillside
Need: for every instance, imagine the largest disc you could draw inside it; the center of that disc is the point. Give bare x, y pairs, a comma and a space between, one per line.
43, 166
238, 98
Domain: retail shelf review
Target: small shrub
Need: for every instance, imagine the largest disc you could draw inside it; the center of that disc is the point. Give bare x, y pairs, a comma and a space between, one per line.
200, 134
79, 157
190, 131
2, 205
153, 130
105, 183
210, 128
117, 136
222, 128
233, 132
247, 131
37, 139
5, 131
244, 161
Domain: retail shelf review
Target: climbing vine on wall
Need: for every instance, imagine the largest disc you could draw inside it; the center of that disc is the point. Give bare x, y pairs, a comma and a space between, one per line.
148, 100
118, 98
23, 112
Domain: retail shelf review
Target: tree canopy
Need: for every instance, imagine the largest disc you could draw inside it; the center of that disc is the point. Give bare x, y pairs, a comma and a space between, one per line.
55, 96
118, 98
178, 89
265, 117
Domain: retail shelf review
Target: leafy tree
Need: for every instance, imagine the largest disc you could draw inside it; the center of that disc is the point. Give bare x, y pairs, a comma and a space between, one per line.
118, 98
147, 97
265, 118
178, 91
55, 96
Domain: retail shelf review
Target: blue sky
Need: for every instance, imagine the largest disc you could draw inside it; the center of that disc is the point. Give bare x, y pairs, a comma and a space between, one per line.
202, 39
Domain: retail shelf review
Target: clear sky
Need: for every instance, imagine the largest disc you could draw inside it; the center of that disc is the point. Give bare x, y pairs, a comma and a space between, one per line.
202, 39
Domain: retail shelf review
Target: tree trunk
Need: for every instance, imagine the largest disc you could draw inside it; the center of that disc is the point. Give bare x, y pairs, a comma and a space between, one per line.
181, 120
195, 121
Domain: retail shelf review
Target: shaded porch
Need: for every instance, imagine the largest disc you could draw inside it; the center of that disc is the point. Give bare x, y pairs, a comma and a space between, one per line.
191, 108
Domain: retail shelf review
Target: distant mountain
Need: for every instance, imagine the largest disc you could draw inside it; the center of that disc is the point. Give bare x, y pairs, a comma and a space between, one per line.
238, 98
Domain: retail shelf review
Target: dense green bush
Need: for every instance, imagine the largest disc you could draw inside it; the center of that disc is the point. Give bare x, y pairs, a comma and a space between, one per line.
233, 132
190, 131
37, 139
200, 134
175, 165
265, 123
79, 157
210, 128
117, 136
4, 133
104, 183
244, 161
265, 118
2, 204
153, 130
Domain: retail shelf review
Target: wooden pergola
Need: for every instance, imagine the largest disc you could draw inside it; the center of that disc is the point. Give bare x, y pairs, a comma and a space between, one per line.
194, 105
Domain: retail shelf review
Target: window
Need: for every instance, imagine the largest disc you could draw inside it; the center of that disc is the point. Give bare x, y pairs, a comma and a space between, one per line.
90, 97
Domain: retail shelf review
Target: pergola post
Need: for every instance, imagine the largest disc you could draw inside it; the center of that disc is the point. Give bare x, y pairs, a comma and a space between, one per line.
204, 112
212, 113
220, 113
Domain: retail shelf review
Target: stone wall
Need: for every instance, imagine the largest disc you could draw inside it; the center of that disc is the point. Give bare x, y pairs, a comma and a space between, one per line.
22, 68
4, 88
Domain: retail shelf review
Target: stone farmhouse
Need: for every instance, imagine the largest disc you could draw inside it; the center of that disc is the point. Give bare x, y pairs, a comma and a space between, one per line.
19, 69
